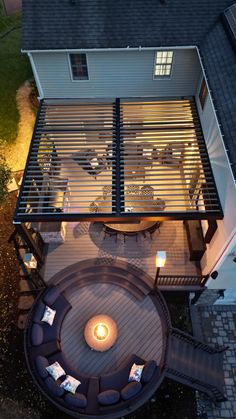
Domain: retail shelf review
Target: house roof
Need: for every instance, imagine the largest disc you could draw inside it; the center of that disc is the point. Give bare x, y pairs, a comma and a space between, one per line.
60, 24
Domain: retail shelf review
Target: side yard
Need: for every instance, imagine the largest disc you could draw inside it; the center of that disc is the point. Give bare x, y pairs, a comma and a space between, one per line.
14, 70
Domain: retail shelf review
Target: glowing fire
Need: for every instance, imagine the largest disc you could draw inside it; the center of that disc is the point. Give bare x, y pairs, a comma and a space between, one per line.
101, 331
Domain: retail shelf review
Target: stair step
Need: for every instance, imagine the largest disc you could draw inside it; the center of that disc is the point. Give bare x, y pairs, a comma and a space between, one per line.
195, 364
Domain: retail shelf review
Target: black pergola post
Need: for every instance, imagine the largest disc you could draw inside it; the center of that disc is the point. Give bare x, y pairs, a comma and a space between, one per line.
31, 243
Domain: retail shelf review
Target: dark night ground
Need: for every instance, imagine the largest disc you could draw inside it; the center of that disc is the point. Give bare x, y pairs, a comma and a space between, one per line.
19, 398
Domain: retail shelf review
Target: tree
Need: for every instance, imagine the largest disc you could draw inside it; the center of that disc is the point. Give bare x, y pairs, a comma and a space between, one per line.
5, 176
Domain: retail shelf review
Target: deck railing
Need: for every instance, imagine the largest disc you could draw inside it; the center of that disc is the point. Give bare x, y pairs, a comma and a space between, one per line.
188, 281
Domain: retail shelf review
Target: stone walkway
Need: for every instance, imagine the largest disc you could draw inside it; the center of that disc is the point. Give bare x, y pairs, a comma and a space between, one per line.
216, 325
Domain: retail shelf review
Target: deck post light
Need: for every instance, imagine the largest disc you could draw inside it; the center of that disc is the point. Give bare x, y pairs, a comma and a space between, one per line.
160, 262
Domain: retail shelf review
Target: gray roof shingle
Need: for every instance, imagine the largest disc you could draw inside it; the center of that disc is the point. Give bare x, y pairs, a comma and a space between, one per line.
89, 24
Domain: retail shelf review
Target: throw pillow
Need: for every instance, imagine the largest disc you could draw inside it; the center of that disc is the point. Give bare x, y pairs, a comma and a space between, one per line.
70, 384
48, 315
135, 372
55, 370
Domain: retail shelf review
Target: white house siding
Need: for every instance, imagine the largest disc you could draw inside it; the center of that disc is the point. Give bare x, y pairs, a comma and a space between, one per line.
222, 241
117, 74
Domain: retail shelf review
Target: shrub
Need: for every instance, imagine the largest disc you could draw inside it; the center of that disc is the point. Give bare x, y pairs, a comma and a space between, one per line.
5, 176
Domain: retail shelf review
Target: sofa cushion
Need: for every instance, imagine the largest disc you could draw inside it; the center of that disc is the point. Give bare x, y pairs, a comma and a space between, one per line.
76, 400
108, 397
130, 390
51, 295
36, 335
41, 364
56, 198
118, 379
148, 371
39, 311
53, 387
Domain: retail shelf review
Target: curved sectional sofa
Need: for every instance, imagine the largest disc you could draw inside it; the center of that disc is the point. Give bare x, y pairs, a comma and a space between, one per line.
109, 395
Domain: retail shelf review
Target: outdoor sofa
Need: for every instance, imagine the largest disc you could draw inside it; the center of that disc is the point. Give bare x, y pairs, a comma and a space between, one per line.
95, 395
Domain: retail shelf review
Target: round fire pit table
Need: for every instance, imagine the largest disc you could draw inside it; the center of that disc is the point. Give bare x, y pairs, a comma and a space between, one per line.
100, 332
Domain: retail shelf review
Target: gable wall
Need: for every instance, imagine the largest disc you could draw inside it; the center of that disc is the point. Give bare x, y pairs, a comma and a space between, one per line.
117, 74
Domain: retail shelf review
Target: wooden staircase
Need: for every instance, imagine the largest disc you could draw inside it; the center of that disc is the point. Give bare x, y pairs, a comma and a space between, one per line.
196, 364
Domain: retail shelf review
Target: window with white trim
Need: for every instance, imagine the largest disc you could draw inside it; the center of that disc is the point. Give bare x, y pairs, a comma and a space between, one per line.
79, 68
163, 64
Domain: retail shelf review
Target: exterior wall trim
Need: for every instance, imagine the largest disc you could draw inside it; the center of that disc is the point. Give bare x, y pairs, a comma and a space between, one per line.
36, 76
212, 103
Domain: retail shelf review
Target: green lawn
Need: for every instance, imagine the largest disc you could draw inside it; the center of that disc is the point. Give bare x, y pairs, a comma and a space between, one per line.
14, 70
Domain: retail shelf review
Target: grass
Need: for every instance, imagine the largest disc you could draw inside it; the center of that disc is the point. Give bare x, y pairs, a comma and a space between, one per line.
14, 70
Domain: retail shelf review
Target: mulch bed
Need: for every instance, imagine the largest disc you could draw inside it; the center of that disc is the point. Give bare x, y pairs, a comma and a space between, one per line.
12, 6
19, 398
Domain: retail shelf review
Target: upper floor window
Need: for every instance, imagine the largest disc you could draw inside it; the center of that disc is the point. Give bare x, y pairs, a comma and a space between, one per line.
203, 93
163, 63
79, 66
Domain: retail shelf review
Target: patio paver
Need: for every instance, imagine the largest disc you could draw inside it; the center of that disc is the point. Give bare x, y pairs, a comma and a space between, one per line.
216, 324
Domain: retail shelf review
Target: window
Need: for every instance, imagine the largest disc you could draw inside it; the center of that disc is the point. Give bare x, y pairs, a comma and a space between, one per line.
163, 63
79, 67
203, 93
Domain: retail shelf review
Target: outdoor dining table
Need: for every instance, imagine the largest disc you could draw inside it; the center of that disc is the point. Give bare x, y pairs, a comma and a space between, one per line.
144, 205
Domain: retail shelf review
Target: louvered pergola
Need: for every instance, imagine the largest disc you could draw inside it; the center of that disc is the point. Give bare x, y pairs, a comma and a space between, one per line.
120, 160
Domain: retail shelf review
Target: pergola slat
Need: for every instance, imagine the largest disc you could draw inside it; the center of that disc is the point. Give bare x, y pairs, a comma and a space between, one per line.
123, 159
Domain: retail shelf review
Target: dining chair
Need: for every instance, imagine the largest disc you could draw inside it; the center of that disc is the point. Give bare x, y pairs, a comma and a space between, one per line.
130, 234
109, 232
93, 207
151, 230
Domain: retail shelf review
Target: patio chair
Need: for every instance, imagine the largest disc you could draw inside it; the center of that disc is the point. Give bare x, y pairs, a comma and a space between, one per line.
93, 207
147, 191
132, 189
106, 190
159, 204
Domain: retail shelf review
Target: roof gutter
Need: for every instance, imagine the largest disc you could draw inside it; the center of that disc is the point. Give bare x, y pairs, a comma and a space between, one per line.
128, 48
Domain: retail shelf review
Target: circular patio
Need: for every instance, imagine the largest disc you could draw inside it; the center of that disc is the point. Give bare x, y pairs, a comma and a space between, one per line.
121, 292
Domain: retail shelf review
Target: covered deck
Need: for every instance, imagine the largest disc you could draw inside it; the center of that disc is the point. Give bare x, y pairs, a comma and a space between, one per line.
118, 160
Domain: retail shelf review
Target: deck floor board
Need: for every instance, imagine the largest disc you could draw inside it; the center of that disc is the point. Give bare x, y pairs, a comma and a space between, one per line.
86, 240
139, 328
